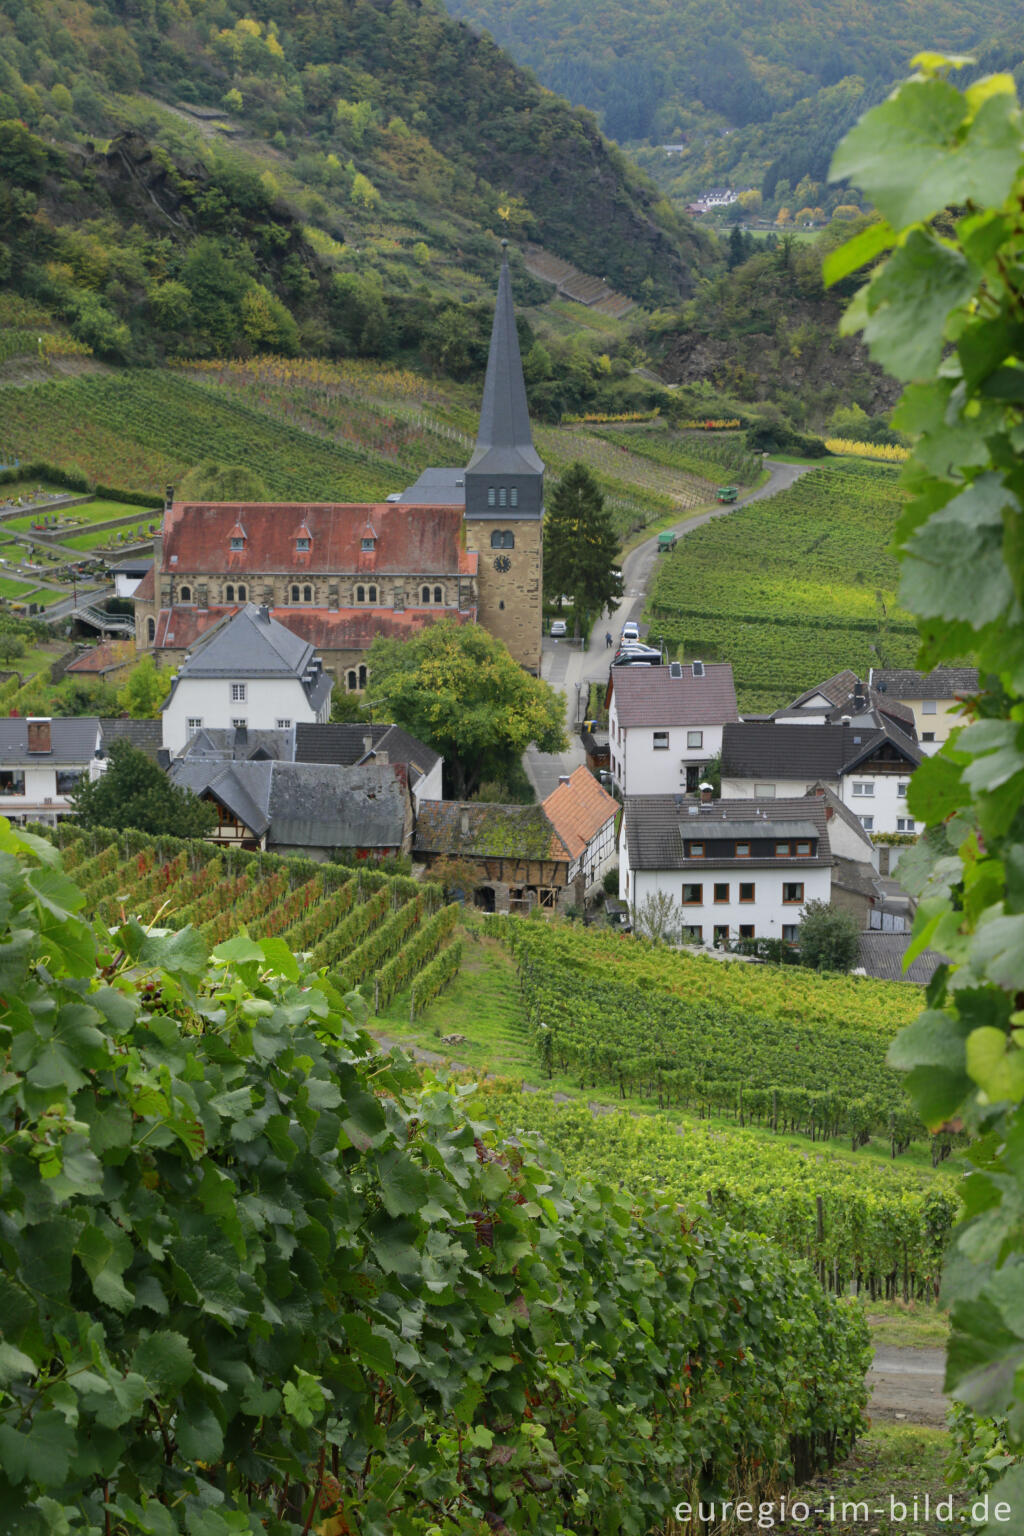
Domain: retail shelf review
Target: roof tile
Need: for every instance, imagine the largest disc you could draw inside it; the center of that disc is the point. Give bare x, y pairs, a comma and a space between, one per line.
578, 810
652, 696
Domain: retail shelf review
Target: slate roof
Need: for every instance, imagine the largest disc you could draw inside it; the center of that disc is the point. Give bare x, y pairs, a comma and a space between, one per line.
835, 689
73, 741
250, 644
347, 743
770, 750
469, 830
146, 735
438, 487
881, 955
504, 443
651, 696
846, 695
942, 683
833, 803
424, 540
306, 805
578, 810
240, 744
656, 825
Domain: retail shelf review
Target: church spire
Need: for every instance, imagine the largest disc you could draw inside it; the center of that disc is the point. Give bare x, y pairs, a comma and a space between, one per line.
504, 443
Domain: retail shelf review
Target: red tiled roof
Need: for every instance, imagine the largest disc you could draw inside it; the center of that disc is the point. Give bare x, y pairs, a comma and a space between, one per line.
107, 656
422, 540
342, 629
578, 810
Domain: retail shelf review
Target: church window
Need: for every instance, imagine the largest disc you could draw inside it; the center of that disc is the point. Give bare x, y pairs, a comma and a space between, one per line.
185, 594
351, 682
295, 594
360, 594
362, 677
438, 595
151, 629
229, 593
492, 499
513, 496
241, 593
502, 497
503, 538
372, 594
307, 594
425, 595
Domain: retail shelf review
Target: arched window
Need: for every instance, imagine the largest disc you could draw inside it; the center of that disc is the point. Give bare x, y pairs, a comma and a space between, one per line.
491, 497
307, 594
510, 539
360, 594
295, 594
351, 682
438, 595
151, 629
372, 595
184, 594
229, 593
425, 595
241, 593
502, 497
503, 538
513, 496
362, 677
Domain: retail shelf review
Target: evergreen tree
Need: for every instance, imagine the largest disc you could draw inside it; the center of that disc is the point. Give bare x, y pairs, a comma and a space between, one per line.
580, 545
737, 247
134, 792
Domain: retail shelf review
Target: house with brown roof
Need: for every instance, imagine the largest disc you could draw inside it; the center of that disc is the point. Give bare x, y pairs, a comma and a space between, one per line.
583, 814
665, 724
935, 698
521, 859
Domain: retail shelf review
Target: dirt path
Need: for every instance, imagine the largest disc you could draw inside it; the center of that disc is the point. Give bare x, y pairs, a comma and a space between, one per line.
907, 1384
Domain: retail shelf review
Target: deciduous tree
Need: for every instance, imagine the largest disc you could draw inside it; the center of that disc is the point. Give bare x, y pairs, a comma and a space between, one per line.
457, 688
134, 792
828, 937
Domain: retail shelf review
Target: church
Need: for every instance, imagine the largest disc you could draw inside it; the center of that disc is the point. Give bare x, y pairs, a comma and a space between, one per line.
463, 544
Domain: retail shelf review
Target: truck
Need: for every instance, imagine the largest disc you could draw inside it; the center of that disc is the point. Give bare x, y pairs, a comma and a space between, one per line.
666, 541
728, 492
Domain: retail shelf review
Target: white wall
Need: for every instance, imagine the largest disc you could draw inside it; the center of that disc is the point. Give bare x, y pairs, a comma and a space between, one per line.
639, 768
267, 700
785, 789
429, 786
40, 799
885, 805
767, 912
597, 855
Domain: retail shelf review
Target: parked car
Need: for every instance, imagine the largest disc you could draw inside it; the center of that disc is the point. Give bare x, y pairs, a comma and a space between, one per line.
634, 659
637, 649
630, 630
558, 628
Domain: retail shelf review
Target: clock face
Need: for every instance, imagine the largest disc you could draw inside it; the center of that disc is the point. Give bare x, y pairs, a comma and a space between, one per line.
502, 563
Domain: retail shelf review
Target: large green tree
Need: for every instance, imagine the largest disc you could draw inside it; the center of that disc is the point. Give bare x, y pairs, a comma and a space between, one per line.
134, 792
143, 691
944, 312
581, 546
457, 688
828, 937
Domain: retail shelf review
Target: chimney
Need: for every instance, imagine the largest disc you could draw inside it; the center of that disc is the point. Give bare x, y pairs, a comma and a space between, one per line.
39, 734
464, 823
367, 743
263, 613
168, 497
563, 778
706, 793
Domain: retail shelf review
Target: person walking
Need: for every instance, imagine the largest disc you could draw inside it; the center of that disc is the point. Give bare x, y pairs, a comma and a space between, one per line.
608, 640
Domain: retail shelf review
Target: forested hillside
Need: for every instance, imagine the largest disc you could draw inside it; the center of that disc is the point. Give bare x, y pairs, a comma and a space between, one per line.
757, 94
186, 177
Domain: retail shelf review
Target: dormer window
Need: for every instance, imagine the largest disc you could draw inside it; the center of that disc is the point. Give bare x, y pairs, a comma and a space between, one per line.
368, 545
301, 545
237, 543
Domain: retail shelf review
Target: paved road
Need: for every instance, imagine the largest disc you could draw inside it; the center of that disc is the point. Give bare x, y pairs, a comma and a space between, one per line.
570, 669
907, 1384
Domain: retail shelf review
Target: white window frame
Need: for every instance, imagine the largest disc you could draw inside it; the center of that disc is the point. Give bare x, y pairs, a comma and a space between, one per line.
906, 824
929, 707
694, 739
764, 791
868, 823
193, 723
659, 741
238, 693
284, 725
863, 789
239, 725
901, 789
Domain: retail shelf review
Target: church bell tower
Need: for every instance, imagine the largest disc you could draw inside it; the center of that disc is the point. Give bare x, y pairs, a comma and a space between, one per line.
505, 495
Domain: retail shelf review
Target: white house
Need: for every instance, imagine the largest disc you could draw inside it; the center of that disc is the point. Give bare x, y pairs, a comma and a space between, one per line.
41, 762
737, 868
583, 814
868, 767
249, 672
934, 697
665, 724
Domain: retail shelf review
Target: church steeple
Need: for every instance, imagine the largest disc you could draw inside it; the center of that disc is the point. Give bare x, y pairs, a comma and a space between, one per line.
505, 471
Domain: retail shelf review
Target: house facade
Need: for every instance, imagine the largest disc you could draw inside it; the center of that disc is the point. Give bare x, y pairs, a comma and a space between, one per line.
733, 869
867, 767
251, 673
665, 725
584, 815
934, 698
520, 859
42, 761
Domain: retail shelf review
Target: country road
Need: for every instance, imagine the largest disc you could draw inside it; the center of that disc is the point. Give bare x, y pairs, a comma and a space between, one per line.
570, 670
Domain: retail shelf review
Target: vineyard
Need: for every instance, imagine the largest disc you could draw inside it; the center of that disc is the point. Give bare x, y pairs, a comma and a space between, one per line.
385, 933
728, 1040
879, 1227
721, 458
820, 595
